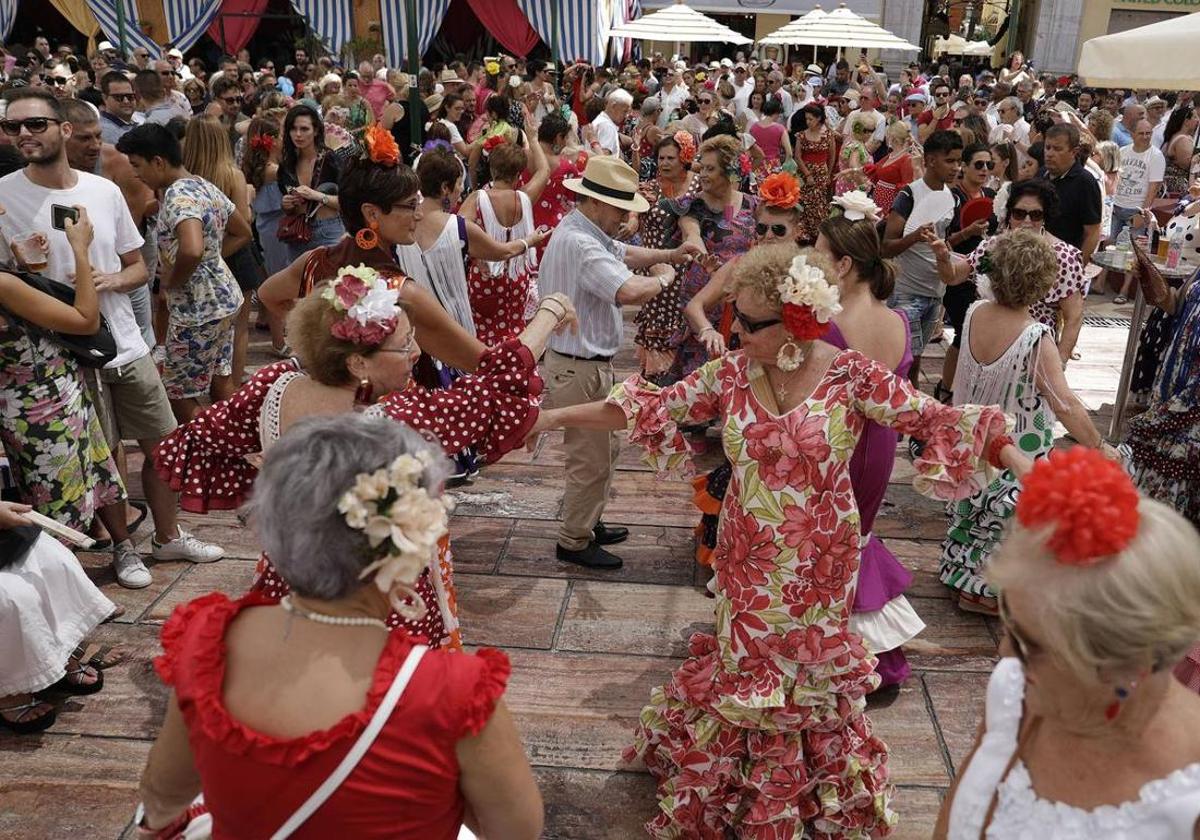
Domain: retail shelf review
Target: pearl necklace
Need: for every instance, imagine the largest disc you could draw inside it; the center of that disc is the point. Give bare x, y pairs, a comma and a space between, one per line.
333, 620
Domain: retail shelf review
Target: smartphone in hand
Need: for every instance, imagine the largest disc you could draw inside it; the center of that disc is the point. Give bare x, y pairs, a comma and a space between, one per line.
59, 214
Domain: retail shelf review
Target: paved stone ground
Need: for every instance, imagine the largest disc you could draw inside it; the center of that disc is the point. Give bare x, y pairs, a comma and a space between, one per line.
586, 646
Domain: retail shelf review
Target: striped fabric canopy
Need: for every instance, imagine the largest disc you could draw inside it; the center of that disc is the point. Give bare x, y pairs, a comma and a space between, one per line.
430, 14
187, 20
579, 32
8, 16
330, 20
106, 15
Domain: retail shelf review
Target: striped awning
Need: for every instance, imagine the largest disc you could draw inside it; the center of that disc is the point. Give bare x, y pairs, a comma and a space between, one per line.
330, 20
8, 16
579, 32
105, 12
430, 14
187, 20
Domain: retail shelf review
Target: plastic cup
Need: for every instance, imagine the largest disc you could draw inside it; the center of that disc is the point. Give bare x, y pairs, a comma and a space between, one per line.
32, 250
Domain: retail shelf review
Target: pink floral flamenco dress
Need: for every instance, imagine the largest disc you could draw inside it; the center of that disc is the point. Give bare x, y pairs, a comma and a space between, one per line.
762, 732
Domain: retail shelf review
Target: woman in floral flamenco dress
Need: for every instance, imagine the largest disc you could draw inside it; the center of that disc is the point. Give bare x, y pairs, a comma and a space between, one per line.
762, 732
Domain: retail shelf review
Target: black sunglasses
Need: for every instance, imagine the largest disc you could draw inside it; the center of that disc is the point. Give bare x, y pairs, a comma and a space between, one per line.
778, 230
984, 164
753, 326
1018, 214
124, 97
34, 125
232, 100
56, 80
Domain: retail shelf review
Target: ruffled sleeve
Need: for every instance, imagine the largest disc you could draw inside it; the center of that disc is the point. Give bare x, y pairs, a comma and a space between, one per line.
478, 706
953, 465
205, 460
175, 633
493, 410
653, 414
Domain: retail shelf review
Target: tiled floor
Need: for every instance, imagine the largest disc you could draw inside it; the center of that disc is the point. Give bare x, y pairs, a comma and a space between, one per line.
586, 646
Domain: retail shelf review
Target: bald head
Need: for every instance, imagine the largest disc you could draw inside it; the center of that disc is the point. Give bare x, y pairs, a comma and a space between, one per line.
1132, 115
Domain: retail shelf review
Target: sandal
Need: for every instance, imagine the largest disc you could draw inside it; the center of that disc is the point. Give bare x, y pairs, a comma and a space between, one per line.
981, 604
1120, 299
103, 656
71, 682
27, 727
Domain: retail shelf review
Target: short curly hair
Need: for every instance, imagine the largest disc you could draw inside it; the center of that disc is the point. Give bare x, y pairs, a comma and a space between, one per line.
724, 147
1022, 268
325, 358
764, 267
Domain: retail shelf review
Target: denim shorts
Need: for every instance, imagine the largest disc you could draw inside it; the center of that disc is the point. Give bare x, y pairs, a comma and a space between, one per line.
922, 313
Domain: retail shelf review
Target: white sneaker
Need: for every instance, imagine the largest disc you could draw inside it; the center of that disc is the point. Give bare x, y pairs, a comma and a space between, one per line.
131, 571
186, 547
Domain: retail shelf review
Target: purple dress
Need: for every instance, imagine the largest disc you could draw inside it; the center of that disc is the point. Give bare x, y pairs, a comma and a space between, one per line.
881, 578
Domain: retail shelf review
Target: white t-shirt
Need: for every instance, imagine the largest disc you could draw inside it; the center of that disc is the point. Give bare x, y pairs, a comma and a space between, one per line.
1138, 170
606, 134
27, 208
455, 134
671, 100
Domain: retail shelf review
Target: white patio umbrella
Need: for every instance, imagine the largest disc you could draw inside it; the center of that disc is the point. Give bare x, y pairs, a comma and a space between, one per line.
808, 17
1161, 55
840, 28
679, 23
958, 45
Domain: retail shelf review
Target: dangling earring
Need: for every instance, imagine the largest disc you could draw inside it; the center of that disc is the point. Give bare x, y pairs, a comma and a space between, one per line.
790, 356
368, 238
363, 393
1114, 708
447, 203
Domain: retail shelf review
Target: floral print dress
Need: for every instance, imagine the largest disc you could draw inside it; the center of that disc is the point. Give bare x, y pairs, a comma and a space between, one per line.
762, 732
51, 434
814, 190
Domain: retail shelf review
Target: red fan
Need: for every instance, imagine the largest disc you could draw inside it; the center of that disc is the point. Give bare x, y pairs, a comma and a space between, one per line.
974, 210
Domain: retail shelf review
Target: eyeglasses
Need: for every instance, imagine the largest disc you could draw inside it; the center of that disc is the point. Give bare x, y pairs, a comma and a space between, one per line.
34, 125
985, 164
56, 80
166, 72
232, 100
124, 97
410, 344
1022, 646
753, 326
408, 206
705, 101
779, 230
1018, 214
941, 95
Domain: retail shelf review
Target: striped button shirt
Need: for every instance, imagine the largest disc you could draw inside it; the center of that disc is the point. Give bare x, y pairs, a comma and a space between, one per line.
588, 266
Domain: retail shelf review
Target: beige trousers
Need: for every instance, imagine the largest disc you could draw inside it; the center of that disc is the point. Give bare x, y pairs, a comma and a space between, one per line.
591, 454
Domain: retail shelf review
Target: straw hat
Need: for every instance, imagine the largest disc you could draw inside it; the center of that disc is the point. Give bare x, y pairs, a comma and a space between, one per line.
449, 77
610, 180
433, 102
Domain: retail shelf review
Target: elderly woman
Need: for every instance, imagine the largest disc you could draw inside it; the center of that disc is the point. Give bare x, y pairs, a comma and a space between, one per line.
1086, 732
268, 699
1008, 358
1029, 206
778, 691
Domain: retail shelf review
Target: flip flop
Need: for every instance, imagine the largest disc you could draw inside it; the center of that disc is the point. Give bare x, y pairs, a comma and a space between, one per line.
28, 727
70, 686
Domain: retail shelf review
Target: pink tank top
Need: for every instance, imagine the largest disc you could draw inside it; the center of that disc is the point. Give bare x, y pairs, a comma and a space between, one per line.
768, 138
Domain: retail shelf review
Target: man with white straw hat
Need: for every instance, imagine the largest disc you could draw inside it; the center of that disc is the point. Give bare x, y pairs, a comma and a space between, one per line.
597, 272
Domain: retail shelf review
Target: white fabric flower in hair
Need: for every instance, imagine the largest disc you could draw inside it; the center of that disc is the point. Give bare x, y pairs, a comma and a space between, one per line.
856, 205
377, 305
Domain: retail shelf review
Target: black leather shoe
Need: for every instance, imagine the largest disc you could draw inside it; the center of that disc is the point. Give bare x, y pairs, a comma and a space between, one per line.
592, 557
606, 535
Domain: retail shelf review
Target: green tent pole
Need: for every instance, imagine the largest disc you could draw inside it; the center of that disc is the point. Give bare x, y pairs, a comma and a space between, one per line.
414, 69
554, 57
121, 26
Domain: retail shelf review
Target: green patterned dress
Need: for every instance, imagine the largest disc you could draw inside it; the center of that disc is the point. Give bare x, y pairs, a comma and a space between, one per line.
51, 435
977, 524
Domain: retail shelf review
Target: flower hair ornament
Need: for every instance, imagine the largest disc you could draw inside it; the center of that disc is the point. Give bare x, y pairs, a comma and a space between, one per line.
687, 146
492, 142
1088, 501
380, 146
430, 145
857, 205
263, 143
402, 523
739, 168
492, 67
809, 303
369, 304
780, 191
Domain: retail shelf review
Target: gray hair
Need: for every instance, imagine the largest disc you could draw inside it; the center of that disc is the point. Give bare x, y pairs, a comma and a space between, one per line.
296, 495
620, 96
1013, 102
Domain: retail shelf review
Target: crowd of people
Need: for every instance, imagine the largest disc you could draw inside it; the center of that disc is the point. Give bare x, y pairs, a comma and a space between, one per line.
794, 239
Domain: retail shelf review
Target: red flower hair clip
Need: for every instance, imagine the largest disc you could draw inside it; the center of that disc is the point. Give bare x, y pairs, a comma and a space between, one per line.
492, 142
263, 143
1090, 501
687, 146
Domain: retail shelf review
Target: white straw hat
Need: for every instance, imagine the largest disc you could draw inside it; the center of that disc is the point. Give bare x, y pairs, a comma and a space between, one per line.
610, 180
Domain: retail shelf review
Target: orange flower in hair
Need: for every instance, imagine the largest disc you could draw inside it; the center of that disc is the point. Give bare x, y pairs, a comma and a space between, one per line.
687, 147
1088, 499
780, 190
381, 146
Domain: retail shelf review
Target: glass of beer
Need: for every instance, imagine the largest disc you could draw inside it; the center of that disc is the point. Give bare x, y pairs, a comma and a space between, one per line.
32, 250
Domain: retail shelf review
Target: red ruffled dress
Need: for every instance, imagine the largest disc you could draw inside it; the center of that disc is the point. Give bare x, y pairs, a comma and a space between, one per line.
213, 460
556, 201
763, 730
407, 784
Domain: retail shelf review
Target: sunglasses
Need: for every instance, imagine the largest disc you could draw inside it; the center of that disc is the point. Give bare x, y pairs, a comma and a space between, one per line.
779, 230
232, 100
1022, 646
166, 72
988, 165
56, 80
34, 125
705, 101
124, 97
749, 326
941, 95
1018, 214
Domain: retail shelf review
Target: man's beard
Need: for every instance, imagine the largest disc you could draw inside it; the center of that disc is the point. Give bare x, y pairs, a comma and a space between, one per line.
45, 154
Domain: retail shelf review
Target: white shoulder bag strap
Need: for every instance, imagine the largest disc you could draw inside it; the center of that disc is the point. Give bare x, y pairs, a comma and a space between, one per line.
359, 749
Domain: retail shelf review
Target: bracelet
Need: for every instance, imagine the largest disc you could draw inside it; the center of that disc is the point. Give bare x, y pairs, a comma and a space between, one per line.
558, 316
524, 246
992, 452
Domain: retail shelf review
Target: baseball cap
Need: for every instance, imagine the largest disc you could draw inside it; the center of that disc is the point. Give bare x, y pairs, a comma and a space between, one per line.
725, 62
174, 53
916, 97
105, 46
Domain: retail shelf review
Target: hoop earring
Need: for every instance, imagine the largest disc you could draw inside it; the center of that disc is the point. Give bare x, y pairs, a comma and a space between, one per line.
368, 238
363, 393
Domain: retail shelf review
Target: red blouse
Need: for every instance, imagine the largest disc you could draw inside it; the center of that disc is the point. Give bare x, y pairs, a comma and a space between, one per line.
492, 410
407, 784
